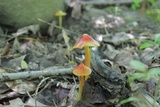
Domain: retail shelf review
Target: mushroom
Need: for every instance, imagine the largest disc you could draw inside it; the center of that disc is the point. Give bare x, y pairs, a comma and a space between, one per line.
81, 70
60, 14
86, 41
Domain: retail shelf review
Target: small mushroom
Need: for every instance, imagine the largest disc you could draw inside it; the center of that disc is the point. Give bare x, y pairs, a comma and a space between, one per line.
60, 14
86, 41
81, 70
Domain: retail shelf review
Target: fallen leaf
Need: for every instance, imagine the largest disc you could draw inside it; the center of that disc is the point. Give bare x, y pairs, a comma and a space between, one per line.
16, 63
21, 87
24, 64
121, 37
15, 103
32, 103
26, 30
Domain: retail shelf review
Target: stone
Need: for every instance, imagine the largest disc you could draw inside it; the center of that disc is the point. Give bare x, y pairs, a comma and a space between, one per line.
15, 14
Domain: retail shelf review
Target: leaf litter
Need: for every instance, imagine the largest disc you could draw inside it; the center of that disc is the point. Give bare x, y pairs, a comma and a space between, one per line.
121, 34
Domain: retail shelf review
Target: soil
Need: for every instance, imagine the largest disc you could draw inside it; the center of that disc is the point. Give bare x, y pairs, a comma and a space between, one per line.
120, 32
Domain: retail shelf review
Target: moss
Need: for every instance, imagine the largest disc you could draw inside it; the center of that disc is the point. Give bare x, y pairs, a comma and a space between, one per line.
16, 14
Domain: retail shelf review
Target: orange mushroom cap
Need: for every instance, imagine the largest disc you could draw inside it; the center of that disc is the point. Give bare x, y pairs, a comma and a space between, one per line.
60, 13
82, 70
86, 40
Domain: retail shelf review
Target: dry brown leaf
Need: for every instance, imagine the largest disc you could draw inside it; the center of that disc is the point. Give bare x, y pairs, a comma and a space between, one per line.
6, 49
123, 58
16, 45
121, 37
16, 63
21, 87
26, 30
3, 88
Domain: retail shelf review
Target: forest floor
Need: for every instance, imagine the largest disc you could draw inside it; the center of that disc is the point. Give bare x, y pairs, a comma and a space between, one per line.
124, 35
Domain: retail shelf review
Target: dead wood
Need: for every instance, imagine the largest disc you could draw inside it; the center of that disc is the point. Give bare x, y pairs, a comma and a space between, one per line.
106, 87
51, 71
144, 99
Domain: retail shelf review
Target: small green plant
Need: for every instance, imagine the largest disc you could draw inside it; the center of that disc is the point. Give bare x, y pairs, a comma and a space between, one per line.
151, 43
117, 10
155, 13
142, 4
127, 100
136, 4
143, 73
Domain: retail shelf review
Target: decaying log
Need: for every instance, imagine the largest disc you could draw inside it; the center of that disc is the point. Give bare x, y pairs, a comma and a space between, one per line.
106, 87
144, 99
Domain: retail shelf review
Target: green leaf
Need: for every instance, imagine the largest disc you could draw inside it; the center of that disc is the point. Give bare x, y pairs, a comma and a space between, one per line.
151, 73
137, 65
157, 38
24, 65
158, 18
154, 71
136, 76
130, 99
147, 44
135, 6
136, 1
152, 2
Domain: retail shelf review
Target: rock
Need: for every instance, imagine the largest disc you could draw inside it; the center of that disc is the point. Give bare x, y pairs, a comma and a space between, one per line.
16, 14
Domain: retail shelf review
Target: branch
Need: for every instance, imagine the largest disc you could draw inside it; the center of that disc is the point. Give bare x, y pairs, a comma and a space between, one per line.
51, 71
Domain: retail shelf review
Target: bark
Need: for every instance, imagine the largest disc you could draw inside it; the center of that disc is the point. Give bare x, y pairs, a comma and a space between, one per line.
106, 87
144, 99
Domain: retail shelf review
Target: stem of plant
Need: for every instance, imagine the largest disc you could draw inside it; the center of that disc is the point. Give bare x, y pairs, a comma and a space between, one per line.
87, 58
60, 21
81, 84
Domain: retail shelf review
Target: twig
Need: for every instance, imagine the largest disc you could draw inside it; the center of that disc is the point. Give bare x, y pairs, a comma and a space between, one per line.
39, 85
41, 20
51, 71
